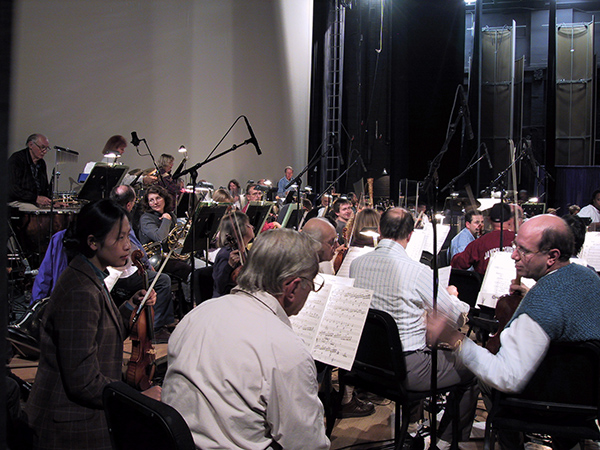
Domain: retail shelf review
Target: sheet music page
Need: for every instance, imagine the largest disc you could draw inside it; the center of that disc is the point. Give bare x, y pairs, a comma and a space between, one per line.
444, 277
415, 245
496, 281
306, 322
442, 234
591, 249
351, 255
331, 321
341, 327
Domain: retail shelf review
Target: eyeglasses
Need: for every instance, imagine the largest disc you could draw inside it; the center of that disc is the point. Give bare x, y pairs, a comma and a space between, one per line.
523, 252
316, 284
44, 148
333, 242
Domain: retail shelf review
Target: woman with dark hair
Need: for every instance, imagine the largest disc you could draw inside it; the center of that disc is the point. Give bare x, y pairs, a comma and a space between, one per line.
82, 333
156, 224
235, 231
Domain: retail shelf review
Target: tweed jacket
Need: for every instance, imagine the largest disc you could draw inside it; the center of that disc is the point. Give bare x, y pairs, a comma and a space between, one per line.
81, 347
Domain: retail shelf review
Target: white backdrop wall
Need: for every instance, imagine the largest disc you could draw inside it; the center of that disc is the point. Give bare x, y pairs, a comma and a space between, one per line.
178, 72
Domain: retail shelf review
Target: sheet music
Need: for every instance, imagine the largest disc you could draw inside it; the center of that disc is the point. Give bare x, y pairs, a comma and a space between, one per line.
415, 245
591, 249
496, 281
331, 323
444, 277
351, 255
442, 234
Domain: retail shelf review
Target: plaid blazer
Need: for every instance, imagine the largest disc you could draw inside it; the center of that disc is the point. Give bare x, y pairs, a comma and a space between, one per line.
81, 352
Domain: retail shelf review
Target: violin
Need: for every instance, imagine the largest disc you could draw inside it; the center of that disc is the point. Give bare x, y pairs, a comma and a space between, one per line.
235, 244
505, 308
142, 364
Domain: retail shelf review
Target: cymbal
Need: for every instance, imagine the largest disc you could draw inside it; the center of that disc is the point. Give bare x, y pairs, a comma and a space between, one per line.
135, 172
148, 171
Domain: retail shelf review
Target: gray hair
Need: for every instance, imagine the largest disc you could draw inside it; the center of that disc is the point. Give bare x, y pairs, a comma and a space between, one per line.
276, 256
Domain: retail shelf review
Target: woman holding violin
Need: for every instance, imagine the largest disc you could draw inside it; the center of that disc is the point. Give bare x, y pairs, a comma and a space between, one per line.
82, 333
235, 233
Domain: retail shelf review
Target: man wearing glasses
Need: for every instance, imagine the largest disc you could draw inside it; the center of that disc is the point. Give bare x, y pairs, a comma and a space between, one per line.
28, 187
238, 373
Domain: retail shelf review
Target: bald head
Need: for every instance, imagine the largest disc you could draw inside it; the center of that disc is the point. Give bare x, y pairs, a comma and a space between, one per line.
543, 244
123, 195
396, 224
323, 232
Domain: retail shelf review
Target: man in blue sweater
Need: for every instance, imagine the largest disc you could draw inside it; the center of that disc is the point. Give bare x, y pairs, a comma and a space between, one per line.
563, 306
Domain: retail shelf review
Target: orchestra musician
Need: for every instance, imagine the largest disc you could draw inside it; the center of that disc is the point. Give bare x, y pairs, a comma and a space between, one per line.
478, 253
403, 288
342, 212
283, 182
155, 225
592, 210
238, 373
82, 333
563, 306
28, 187
165, 178
473, 229
235, 233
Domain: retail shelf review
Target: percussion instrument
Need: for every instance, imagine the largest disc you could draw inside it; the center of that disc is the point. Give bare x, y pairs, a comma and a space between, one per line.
32, 229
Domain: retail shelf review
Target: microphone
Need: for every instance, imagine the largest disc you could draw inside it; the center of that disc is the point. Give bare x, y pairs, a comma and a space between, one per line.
465, 112
487, 155
134, 139
252, 139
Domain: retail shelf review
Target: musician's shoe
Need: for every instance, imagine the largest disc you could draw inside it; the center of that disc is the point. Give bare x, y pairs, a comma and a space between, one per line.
356, 408
161, 336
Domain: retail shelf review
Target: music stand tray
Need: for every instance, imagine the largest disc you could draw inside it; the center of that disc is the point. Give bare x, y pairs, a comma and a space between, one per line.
100, 181
207, 218
257, 213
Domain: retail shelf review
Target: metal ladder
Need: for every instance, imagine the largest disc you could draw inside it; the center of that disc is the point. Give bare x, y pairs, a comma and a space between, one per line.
332, 104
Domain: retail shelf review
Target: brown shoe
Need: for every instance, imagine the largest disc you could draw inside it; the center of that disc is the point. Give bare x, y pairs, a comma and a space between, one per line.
356, 408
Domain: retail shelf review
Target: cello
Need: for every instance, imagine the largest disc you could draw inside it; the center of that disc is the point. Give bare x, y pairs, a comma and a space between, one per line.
142, 363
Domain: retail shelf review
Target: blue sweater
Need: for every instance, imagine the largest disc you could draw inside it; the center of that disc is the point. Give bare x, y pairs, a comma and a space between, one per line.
566, 304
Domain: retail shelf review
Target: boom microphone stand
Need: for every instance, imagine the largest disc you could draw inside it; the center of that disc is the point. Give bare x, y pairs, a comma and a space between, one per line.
431, 188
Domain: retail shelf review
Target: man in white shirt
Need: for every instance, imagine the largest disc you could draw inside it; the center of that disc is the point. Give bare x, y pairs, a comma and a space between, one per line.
404, 288
239, 375
593, 209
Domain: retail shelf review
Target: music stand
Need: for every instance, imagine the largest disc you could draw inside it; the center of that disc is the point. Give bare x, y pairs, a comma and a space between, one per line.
257, 213
288, 216
100, 181
206, 223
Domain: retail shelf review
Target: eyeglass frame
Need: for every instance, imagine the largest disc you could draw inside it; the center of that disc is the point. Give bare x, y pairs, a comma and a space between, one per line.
523, 252
45, 148
313, 282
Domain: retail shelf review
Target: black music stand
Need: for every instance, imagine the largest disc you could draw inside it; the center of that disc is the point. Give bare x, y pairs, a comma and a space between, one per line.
100, 181
257, 213
206, 223
288, 216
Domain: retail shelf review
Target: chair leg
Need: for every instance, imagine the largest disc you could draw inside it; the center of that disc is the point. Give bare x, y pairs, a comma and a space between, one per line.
401, 428
488, 441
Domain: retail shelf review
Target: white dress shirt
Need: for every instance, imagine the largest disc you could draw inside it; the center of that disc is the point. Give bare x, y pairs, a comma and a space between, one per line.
404, 288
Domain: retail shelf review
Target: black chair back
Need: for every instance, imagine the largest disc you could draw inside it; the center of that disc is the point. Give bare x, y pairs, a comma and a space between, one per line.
379, 359
136, 421
561, 399
468, 283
